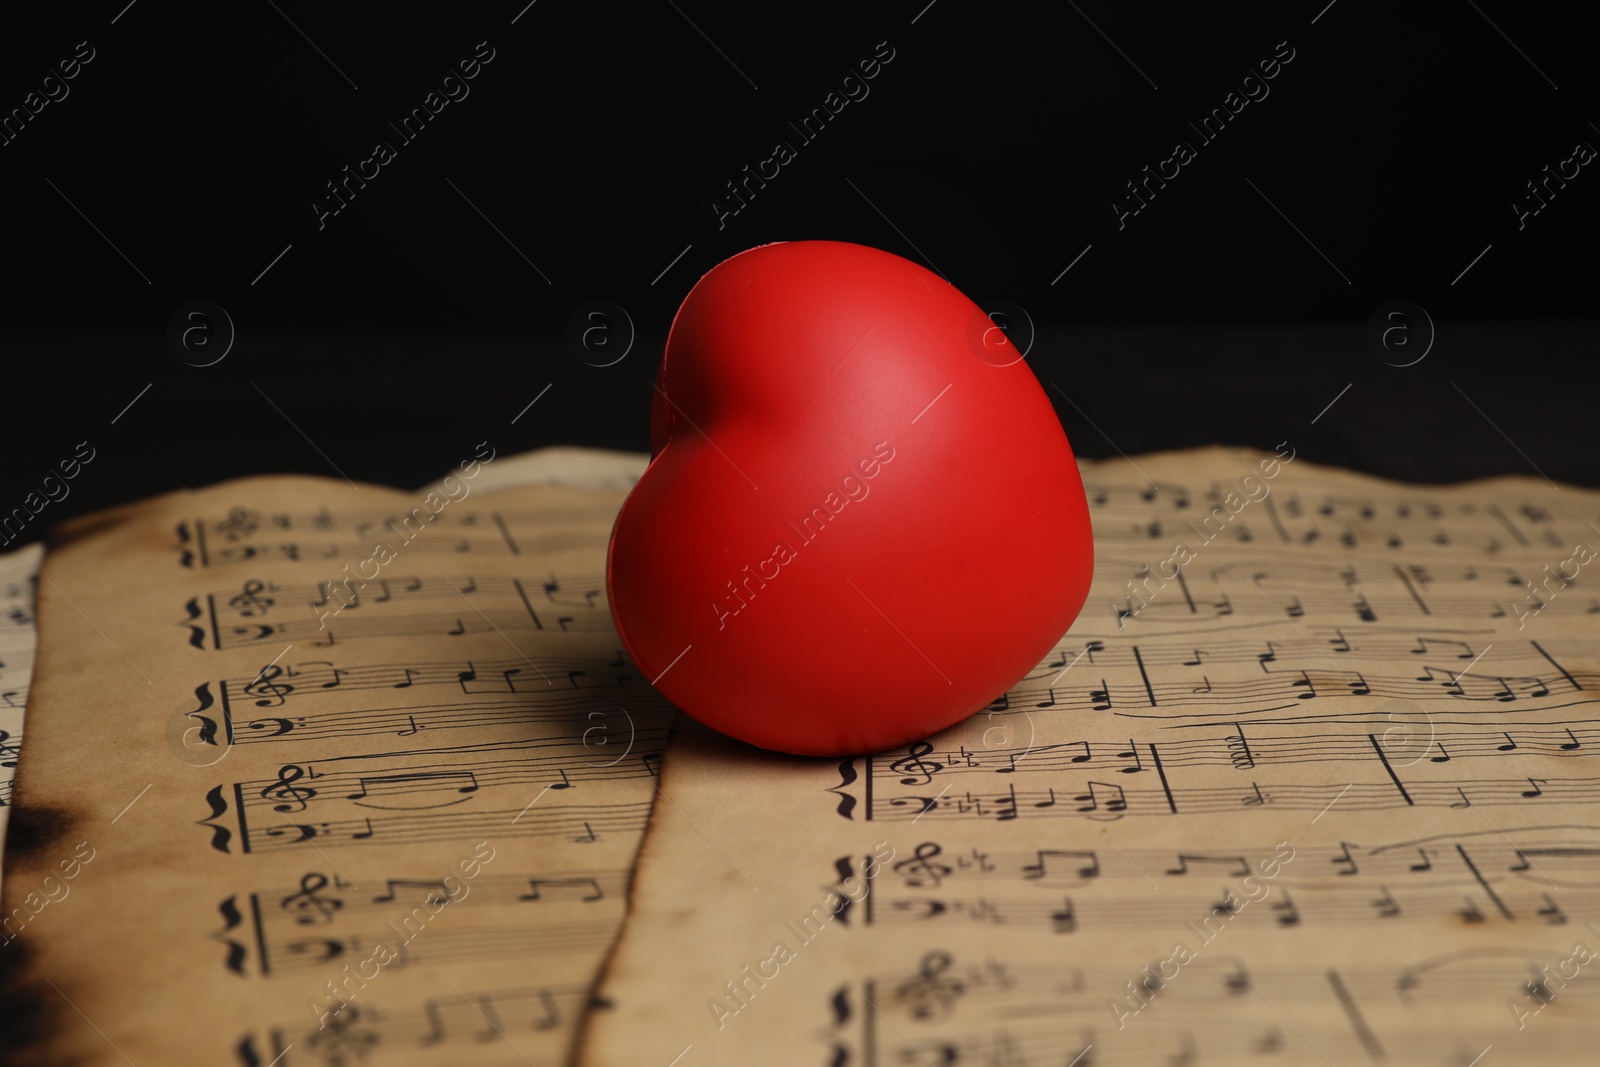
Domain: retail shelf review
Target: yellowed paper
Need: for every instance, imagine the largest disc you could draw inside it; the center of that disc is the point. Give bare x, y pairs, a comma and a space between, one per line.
1312, 779
324, 775
19, 572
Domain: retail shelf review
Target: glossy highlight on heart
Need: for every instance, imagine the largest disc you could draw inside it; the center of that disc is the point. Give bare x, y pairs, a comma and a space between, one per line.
861, 522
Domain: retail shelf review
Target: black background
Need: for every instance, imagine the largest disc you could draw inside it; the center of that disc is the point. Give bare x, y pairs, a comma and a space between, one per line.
427, 313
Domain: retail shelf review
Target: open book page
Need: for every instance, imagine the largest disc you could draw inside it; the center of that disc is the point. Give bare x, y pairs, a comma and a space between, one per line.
1318, 786
325, 775
19, 572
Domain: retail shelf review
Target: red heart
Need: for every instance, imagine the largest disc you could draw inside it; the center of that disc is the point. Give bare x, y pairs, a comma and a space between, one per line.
862, 522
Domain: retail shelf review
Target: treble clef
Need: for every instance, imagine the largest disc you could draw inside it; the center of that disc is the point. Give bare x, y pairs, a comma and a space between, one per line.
914, 764
920, 870
929, 993
267, 686
250, 602
284, 789
306, 906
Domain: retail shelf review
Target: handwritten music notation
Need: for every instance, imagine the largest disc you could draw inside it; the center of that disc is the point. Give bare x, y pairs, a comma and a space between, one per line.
1320, 756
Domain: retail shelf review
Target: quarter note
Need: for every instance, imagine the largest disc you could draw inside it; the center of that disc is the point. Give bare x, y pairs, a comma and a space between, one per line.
1443, 756
1568, 746
1132, 753
552, 1015
1064, 920
1387, 906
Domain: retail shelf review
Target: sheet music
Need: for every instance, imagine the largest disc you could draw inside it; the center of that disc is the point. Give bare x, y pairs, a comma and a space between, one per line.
1315, 787
320, 775
19, 572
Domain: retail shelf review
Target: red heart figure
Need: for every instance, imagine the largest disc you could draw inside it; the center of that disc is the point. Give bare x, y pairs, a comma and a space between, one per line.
862, 521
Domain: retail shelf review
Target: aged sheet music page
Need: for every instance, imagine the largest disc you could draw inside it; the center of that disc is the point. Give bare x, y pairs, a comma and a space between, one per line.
325, 775
19, 571
1311, 780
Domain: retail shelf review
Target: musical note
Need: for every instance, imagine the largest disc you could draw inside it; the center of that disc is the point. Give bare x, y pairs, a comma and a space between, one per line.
552, 1016
1114, 804
438, 892
1388, 907
538, 888
1007, 805
393, 786
1101, 696
1064, 921
1228, 863
1133, 754
1039, 868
